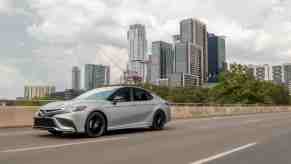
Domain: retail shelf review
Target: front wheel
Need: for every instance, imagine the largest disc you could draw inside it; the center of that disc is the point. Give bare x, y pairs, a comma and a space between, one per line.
159, 121
95, 125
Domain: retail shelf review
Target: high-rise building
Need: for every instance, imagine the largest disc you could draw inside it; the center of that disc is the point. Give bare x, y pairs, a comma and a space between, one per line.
261, 72
287, 76
76, 78
161, 61
182, 80
287, 73
216, 56
149, 70
277, 74
195, 32
96, 75
181, 58
176, 80
137, 43
187, 60
35, 92
154, 69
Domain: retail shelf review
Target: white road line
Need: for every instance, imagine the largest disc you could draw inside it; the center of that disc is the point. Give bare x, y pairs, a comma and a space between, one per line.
61, 145
212, 158
252, 121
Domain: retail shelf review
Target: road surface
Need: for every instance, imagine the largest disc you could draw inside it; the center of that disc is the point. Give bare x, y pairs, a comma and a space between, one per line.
249, 139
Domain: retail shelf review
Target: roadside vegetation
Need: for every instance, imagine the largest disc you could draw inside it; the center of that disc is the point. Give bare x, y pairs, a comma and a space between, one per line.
236, 86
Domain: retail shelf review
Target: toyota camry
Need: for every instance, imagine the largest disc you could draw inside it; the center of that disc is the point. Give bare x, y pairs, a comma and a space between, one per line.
104, 109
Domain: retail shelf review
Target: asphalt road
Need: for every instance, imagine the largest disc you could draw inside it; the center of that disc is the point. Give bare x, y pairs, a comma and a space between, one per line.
250, 139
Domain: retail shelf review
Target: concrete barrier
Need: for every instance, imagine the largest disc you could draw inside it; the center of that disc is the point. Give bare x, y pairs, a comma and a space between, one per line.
187, 111
16, 116
22, 116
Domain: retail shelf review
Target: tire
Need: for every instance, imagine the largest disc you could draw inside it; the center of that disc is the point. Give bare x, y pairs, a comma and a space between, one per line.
159, 121
54, 132
95, 125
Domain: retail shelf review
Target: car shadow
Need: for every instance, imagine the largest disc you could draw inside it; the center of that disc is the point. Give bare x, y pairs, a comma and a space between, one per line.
136, 131
108, 134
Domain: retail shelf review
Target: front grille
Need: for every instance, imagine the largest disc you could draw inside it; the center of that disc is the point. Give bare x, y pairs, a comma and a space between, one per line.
51, 112
44, 122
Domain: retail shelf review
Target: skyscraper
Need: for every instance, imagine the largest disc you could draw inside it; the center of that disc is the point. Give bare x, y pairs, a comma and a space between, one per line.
195, 32
216, 56
96, 75
76, 79
137, 51
181, 58
161, 61
187, 63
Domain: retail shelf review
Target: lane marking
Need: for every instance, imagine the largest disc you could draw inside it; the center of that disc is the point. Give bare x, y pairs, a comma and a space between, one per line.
252, 121
61, 145
217, 156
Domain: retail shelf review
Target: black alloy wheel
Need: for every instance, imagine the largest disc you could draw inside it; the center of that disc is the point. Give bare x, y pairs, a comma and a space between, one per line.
159, 121
95, 125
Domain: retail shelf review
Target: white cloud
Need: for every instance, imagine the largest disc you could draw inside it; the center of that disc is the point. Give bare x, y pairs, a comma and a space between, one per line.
76, 32
66, 20
5, 6
10, 7
11, 78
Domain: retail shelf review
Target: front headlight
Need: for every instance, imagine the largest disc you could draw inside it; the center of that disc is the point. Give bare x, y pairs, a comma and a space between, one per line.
79, 108
76, 108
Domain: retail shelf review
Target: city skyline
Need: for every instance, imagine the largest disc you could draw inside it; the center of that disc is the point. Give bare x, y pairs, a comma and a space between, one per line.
44, 46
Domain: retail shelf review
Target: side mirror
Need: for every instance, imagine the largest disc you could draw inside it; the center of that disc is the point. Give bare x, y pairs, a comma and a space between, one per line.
118, 99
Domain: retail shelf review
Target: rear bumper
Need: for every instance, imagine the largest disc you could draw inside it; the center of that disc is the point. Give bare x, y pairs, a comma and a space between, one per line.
46, 123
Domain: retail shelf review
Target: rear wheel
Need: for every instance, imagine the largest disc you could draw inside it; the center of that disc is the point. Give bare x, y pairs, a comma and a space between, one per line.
95, 125
54, 132
159, 121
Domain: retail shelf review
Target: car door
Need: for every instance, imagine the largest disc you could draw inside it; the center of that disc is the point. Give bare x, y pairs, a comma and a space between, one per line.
144, 104
121, 113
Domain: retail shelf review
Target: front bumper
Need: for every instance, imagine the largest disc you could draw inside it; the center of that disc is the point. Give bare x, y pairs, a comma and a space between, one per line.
55, 124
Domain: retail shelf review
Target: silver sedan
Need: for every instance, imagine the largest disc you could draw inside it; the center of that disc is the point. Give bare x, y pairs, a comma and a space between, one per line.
104, 109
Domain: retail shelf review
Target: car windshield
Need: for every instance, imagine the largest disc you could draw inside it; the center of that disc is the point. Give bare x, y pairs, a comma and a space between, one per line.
96, 94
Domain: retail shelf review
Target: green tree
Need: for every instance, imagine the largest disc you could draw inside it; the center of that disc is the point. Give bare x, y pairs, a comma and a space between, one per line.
238, 86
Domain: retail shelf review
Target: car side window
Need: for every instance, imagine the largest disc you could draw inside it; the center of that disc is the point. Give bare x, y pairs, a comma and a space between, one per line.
123, 93
141, 95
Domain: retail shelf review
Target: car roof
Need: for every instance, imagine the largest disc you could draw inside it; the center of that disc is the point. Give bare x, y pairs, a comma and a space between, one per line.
120, 86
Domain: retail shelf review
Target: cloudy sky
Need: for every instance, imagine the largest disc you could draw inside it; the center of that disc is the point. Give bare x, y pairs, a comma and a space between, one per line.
40, 40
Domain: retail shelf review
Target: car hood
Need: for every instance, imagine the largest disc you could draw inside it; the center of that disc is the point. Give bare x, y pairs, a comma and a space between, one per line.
63, 104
